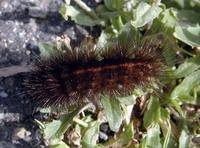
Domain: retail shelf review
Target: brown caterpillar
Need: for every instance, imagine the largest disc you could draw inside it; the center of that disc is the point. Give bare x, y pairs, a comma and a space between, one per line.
81, 75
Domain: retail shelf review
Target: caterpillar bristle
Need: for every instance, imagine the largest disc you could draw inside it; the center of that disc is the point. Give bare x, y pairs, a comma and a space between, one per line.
83, 75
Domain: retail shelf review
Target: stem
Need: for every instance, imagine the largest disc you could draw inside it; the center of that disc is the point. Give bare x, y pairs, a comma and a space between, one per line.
186, 52
80, 122
87, 9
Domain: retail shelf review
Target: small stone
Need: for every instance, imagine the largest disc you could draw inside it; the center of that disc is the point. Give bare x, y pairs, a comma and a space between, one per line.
28, 52
9, 117
98, 1
196, 140
103, 136
21, 133
3, 133
37, 12
1, 87
104, 127
5, 144
3, 94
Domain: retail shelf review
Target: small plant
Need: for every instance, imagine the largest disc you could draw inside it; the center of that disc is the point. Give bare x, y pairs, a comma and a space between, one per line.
164, 113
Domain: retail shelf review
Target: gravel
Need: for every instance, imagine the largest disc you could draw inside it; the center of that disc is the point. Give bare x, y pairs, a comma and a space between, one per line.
23, 24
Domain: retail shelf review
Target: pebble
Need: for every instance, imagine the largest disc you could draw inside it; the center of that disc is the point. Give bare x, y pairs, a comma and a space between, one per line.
3, 133
103, 136
3, 94
21, 133
196, 140
37, 12
24, 23
28, 52
9, 117
5, 144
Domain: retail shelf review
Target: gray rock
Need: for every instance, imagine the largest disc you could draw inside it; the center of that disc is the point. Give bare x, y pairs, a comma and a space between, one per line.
23, 24
196, 140
9, 117
37, 12
103, 136
4, 133
5, 144
21, 133
3, 94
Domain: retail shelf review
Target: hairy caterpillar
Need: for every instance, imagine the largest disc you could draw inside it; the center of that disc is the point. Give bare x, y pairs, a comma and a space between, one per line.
86, 73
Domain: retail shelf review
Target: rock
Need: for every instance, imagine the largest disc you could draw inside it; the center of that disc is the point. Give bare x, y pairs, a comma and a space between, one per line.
98, 1
4, 144
105, 131
31, 2
37, 12
4, 133
21, 133
3, 94
103, 136
9, 117
196, 140
23, 24
104, 127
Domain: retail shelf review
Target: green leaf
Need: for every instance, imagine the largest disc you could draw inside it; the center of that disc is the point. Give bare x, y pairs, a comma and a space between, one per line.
113, 112
165, 115
145, 13
152, 138
183, 90
90, 136
123, 139
60, 145
188, 17
131, 100
188, 30
114, 4
128, 100
184, 4
189, 35
46, 49
117, 23
104, 39
166, 142
188, 67
127, 135
54, 131
79, 16
170, 47
184, 140
169, 19
165, 126
152, 114
129, 33
105, 13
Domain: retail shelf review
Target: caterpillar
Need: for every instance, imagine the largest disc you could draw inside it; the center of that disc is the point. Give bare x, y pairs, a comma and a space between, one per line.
84, 74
